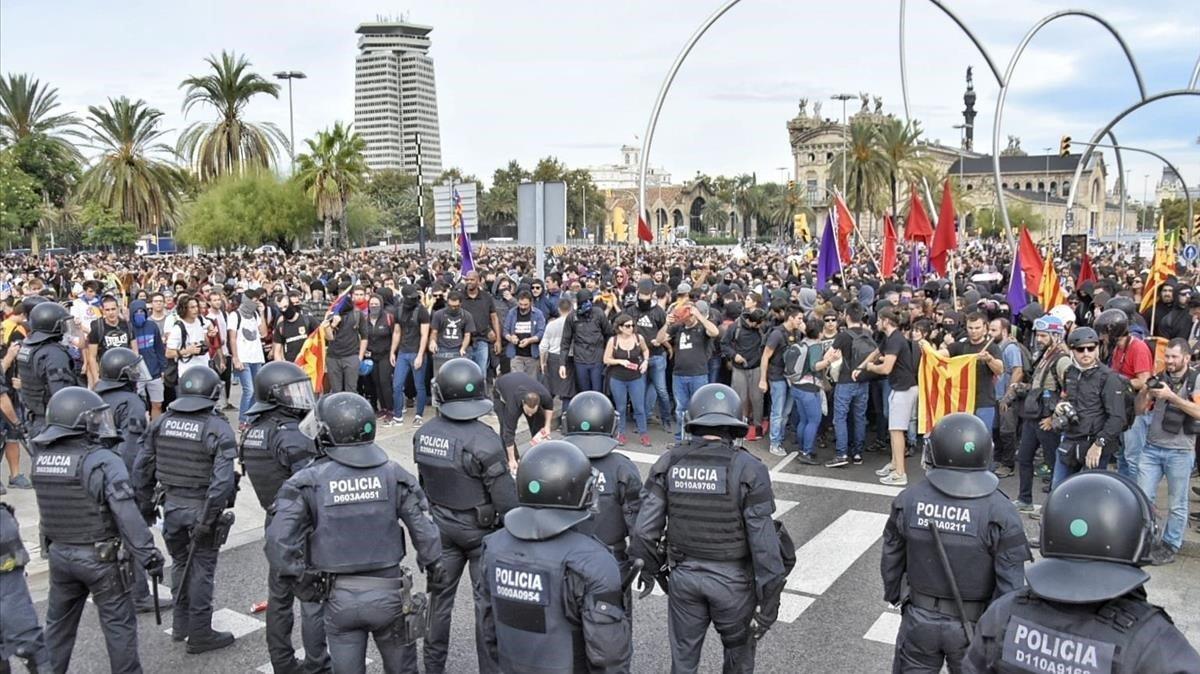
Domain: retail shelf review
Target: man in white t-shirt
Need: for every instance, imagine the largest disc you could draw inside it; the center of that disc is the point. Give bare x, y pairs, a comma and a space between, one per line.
187, 338
247, 327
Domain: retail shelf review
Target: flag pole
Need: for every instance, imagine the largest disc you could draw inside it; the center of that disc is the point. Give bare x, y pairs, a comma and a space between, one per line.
953, 277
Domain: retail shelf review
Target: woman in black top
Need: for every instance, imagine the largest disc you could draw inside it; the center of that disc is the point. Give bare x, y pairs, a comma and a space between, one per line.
627, 356
379, 347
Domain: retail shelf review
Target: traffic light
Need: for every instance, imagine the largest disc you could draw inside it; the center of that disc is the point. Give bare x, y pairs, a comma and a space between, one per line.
791, 185
1064, 146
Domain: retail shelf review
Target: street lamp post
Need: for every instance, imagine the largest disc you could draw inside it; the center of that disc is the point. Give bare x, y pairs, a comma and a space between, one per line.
290, 75
962, 159
1046, 187
845, 133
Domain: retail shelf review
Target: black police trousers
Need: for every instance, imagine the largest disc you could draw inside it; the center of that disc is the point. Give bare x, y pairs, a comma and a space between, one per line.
20, 633
362, 605
76, 572
281, 619
194, 603
704, 592
461, 548
926, 639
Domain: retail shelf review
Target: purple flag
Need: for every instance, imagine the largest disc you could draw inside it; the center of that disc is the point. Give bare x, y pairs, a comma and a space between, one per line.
1016, 286
828, 263
464, 239
914, 267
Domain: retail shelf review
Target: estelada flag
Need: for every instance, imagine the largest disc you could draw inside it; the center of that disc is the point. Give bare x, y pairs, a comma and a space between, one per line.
944, 386
312, 358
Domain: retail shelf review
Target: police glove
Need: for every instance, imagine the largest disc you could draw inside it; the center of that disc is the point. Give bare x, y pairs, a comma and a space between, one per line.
646, 581
760, 623
436, 576
150, 515
202, 529
154, 565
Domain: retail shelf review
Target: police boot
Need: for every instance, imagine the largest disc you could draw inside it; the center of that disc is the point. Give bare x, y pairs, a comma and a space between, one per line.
208, 640
147, 606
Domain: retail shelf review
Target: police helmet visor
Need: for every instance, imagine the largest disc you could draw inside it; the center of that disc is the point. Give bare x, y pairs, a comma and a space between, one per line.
137, 372
297, 395
310, 426
100, 422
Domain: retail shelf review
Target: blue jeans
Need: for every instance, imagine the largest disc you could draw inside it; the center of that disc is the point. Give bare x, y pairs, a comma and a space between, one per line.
850, 399
589, 377
629, 391
656, 387
714, 369
808, 406
246, 380
685, 385
480, 352
404, 365
988, 415
1132, 442
781, 403
1154, 464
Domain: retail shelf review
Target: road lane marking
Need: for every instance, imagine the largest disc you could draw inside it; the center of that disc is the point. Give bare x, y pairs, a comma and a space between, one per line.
784, 462
829, 554
226, 620
782, 506
834, 483
792, 605
885, 628
640, 457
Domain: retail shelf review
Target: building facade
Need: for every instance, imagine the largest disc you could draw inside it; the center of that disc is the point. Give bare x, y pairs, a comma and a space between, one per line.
395, 97
1170, 186
624, 175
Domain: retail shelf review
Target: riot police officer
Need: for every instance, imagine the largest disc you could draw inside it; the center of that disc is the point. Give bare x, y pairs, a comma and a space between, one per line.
1085, 608
91, 527
44, 365
590, 424
722, 551
190, 450
463, 468
959, 543
552, 594
20, 634
120, 371
272, 450
336, 533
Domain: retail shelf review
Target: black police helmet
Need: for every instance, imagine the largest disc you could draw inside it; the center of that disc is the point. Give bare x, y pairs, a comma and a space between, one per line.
590, 423
120, 367
49, 318
28, 303
1112, 323
77, 411
344, 424
1097, 530
1081, 336
1124, 304
199, 389
960, 448
281, 383
556, 487
715, 407
459, 392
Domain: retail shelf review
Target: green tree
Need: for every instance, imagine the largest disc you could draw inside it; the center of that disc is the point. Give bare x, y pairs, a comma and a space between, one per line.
230, 144
899, 143
132, 173
867, 168
499, 205
715, 217
249, 210
331, 172
989, 224
20, 204
55, 168
364, 221
27, 108
1175, 215
105, 229
394, 195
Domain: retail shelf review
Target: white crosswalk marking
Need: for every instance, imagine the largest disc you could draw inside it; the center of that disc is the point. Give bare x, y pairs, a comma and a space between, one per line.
639, 457
885, 628
834, 483
782, 506
240, 624
792, 605
824, 558
164, 595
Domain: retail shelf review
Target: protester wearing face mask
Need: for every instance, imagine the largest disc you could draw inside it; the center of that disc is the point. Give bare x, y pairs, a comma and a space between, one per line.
292, 328
153, 351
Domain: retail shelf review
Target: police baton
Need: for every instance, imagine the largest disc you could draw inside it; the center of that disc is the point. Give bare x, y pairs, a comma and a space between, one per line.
945, 560
154, 591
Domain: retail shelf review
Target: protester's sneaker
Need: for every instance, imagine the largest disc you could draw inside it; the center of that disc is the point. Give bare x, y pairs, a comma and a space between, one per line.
885, 471
837, 461
808, 459
777, 450
1003, 471
1023, 506
416, 422
895, 479
19, 481
1043, 471
645, 440
856, 459
1162, 556
621, 439
751, 434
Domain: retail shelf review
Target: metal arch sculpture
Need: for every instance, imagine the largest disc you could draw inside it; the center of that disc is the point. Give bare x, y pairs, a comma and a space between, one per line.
1195, 75
1186, 193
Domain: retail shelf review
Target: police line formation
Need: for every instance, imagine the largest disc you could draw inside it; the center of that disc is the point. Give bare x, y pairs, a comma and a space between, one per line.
554, 553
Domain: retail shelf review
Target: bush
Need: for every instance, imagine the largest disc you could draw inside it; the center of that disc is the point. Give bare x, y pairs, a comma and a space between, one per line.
714, 240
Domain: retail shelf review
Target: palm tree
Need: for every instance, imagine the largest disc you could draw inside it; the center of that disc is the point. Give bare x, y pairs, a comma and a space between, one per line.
332, 171
899, 143
866, 167
230, 144
27, 108
748, 201
715, 216
785, 203
133, 173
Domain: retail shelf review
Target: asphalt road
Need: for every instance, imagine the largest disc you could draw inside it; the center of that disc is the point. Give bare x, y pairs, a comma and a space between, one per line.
832, 617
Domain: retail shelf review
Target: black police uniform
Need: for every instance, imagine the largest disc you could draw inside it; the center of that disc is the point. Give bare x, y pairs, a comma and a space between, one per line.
463, 468
190, 450
350, 507
552, 594
715, 502
1085, 610
20, 634
91, 523
272, 450
44, 366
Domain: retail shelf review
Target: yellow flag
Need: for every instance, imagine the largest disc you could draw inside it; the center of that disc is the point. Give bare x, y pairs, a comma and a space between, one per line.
944, 386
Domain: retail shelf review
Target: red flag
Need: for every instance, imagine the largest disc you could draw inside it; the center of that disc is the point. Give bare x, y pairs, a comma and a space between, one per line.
1085, 271
1031, 260
888, 264
918, 227
845, 225
644, 233
944, 239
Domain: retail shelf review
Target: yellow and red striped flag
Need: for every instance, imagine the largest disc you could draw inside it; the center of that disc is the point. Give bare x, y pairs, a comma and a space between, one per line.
945, 385
312, 358
1161, 269
1050, 292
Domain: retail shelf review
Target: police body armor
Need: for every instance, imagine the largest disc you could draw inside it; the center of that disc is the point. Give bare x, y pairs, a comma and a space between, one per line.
963, 524
357, 529
609, 522
527, 585
437, 449
184, 462
266, 472
35, 394
121, 401
13, 555
69, 514
703, 513
1042, 637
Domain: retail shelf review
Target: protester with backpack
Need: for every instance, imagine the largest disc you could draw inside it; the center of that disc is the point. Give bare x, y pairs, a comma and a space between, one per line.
1131, 358
742, 347
805, 366
1037, 406
1018, 365
850, 396
772, 377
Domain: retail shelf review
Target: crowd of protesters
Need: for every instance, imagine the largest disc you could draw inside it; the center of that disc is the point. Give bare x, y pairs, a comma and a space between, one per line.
828, 373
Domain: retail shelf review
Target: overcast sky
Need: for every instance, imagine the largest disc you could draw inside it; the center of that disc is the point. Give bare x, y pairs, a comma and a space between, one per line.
520, 79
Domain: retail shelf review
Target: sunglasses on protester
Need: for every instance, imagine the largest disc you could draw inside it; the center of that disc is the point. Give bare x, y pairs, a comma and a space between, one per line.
1085, 348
